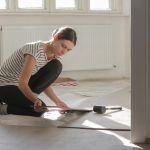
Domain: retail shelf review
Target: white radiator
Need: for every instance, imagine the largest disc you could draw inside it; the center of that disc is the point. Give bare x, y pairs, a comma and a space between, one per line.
93, 50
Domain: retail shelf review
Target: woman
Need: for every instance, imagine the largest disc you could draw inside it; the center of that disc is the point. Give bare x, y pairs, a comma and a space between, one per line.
31, 70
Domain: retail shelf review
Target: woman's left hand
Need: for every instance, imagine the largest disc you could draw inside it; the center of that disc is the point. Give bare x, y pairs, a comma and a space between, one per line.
62, 105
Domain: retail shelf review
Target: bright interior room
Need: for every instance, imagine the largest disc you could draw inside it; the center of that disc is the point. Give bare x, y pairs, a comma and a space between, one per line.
96, 72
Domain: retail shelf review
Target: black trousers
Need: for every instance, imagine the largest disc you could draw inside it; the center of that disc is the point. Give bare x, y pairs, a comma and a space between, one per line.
17, 102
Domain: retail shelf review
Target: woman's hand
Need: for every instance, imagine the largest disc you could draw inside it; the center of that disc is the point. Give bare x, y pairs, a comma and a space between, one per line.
62, 105
38, 106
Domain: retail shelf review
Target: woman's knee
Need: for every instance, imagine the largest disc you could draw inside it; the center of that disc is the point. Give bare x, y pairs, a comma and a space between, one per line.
45, 76
57, 65
54, 67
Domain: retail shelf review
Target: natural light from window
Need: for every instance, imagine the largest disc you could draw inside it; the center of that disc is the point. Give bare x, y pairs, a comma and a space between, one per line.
99, 5
30, 4
125, 141
65, 4
2, 4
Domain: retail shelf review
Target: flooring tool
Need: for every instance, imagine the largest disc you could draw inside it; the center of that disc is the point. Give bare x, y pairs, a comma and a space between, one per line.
97, 109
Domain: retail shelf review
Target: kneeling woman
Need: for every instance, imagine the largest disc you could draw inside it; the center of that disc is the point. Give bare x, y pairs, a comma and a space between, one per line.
31, 70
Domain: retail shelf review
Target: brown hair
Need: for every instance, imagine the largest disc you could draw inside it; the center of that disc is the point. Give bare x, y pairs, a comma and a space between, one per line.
65, 33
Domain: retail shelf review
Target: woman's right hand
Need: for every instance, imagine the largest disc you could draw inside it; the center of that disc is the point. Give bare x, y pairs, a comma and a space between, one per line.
38, 106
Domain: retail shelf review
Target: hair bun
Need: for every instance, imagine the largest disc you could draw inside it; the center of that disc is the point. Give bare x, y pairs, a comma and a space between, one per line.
55, 31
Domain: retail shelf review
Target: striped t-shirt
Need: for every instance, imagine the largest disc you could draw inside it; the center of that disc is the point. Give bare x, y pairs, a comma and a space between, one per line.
12, 67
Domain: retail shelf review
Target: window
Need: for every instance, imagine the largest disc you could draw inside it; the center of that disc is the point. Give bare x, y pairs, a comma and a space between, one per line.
61, 6
100, 5
105, 6
65, 4
31, 4
3, 4
89, 6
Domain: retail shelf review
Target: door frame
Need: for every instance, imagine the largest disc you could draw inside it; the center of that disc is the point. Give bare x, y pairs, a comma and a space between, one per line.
140, 68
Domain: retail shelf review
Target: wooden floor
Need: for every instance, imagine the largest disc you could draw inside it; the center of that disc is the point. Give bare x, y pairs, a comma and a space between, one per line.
21, 133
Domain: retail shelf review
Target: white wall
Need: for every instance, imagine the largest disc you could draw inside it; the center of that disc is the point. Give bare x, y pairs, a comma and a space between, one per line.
121, 38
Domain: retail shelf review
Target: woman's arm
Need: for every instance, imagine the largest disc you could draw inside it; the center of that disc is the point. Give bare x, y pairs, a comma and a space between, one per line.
24, 80
51, 94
